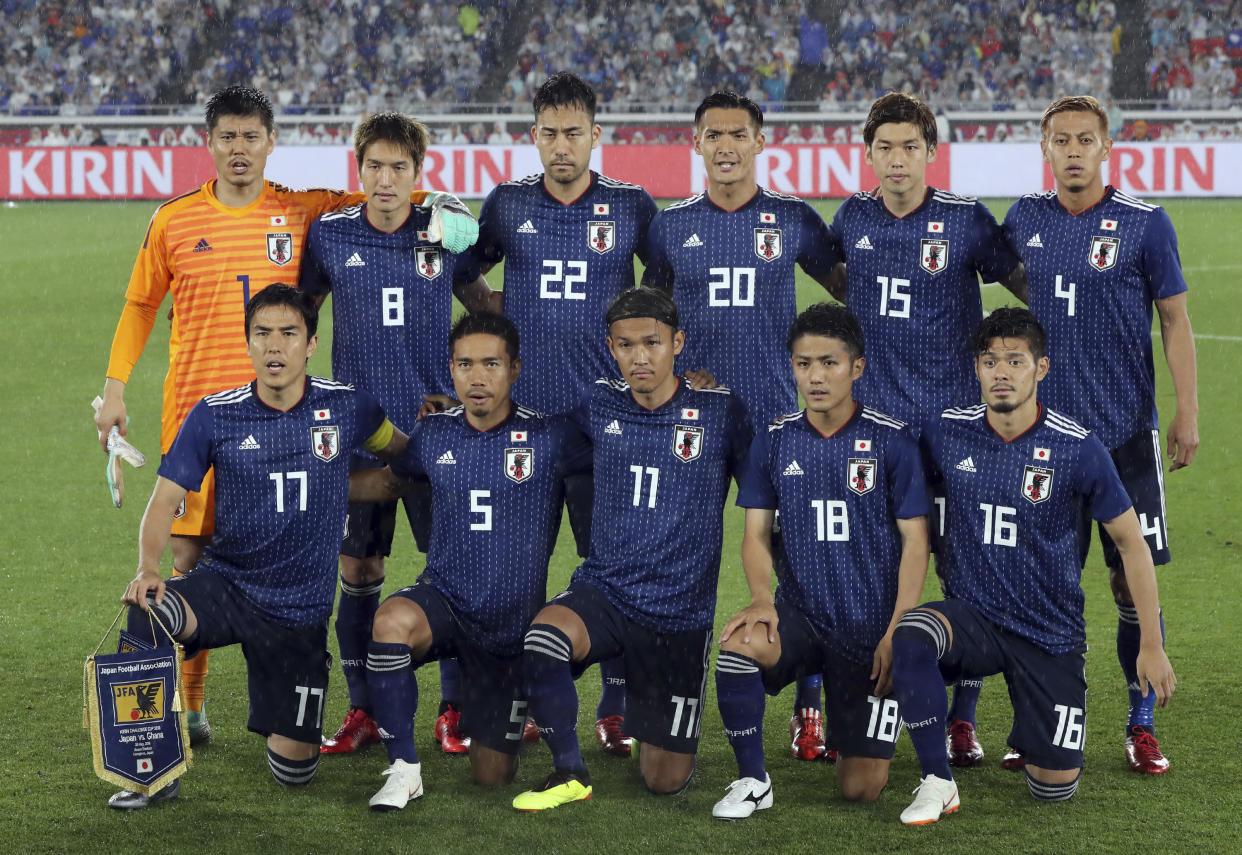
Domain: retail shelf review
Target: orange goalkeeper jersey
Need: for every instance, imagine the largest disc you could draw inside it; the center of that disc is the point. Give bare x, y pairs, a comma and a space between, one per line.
212, 257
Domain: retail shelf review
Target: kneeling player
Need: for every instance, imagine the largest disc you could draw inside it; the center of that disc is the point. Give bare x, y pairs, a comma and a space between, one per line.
663, 456
280, 447
495, 470
1017, 479
853, 505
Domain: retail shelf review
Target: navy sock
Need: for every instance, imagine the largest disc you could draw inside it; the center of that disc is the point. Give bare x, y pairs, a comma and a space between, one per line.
354, 617
450, 684
549, 686
965, 699
807, 696
1129, 638
171, 613
292, 773
918, 643
739, 694
393, 690
612, 693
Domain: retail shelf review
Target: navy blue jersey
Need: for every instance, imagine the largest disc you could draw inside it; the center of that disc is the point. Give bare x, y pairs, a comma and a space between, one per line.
282, 485
839, 498
564, 265
913, 282
661, 478
1092, 279
392, 305
497, 505
1013, 514
731, 274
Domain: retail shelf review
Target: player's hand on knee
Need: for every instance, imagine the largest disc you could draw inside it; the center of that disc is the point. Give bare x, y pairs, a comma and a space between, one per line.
145, 582
700, 379
1154, 668
1183, 440
748, 619
882, 665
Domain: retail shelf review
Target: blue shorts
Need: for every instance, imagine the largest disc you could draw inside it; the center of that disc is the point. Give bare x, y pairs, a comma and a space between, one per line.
286, 667
665, 672
1048, 691
860, 724
369, 527
493, 708
1139, 464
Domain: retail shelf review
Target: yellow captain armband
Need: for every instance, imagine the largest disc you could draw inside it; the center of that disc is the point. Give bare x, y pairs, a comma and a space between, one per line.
379, 440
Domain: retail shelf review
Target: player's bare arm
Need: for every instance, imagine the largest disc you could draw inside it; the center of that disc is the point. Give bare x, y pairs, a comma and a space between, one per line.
153, 539
757, 565
1182, 436
1015, 283
1153, 664
911, 574
834, 282
377, 485
478, 296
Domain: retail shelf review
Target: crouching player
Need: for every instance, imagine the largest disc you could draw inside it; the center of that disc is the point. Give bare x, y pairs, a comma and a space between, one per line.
280, 446
496, 471
1017, 480
853, 504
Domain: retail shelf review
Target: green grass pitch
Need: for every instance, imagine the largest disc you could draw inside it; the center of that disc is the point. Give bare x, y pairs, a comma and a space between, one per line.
66, 555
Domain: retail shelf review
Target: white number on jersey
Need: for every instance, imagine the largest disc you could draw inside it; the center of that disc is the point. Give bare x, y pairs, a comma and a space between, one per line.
517, 721
1152, 528
894, 297
393, 307
279, 478
1069, 727
477, 506
731, 286
305, 692
689, 706
999, 529
939, 502
885, 723
653, 475
559, 278
1066, 292
832, 519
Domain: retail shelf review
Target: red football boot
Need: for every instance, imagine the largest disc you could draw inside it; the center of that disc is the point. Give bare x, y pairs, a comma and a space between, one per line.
1013, 760
610, 731
448, 732
962, 744
530, 733
1143, 751
806, 735
357, 730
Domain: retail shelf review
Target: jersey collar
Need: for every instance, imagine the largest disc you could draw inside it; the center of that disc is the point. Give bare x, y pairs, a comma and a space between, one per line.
806, 417
1109, 190
927, 194
210, 192
543, 185
1039, 420
751, 201
406, 223
254, 391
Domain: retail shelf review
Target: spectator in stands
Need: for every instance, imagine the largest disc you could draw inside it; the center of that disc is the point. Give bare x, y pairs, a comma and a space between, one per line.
189, 136
168, 137
499, 136
36, 137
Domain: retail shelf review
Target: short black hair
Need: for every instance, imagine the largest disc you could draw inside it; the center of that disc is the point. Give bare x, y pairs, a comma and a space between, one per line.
900, 108
565, 90
643, 303
407, 134
280, 294
1010, 322
727, 99
242, 101
487, 323
829, 320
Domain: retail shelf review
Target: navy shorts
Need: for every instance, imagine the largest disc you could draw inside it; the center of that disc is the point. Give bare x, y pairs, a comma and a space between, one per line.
369, 527
665, 672
493, 708
286, 666
1048, 691
860, 724
1138, 463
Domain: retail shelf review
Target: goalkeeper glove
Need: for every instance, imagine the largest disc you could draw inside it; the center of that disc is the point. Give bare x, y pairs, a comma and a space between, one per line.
118, 449
452, 224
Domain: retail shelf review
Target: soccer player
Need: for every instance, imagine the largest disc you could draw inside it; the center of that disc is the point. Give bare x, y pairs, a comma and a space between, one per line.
1017, 479
568, 238
280, 446
1096, 261
663, 457
914, 256
727, 256
212, 248
392, 288
495, 469
848, 483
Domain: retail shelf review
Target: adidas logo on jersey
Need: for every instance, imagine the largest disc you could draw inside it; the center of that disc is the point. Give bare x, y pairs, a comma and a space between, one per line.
967, 465
1035, 241
793, 469
355, 260
614, 428
447, 457
528, 228
693, 240
248, 443
202, 245
864, 242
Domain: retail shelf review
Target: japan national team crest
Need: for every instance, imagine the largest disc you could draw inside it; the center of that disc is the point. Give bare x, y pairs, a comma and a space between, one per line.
768, 244
429, 261
860, 476
519, 464
1104, 252
280, 247
325, 442
601, 235
933, 254
687, 442
1036, 483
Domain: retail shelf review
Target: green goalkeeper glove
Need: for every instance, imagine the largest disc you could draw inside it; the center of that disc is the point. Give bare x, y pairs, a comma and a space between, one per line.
451, 224
119, 450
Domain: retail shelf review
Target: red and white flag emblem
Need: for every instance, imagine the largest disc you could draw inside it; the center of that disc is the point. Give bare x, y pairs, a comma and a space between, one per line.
322, 415
689, 413
1042, 453
1108, 225
279, 221
767, 218
601, 209
862, 445
935, 227
517, 436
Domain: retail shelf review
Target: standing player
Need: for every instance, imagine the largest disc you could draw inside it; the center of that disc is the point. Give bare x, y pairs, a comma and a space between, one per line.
495, 470
849, 486
392, 288
212, 248
568, 238
280, 447
914, 257
1017, 478
663, 456
728, 258
1096, 261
